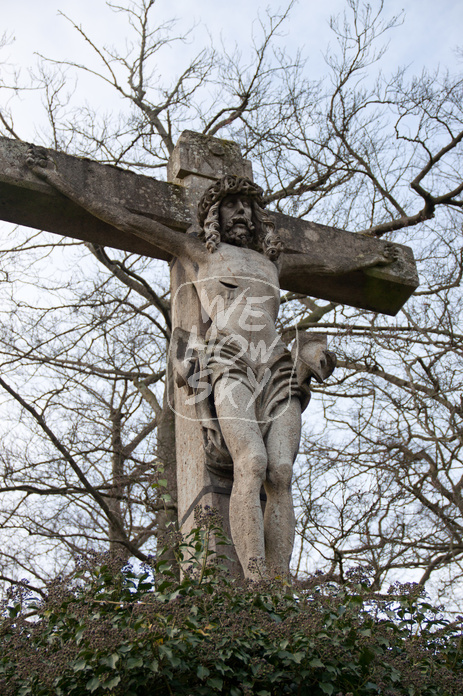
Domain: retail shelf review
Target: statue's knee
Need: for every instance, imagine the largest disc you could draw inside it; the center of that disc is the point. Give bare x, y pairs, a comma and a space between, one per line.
280, 475
258, 467
252, 467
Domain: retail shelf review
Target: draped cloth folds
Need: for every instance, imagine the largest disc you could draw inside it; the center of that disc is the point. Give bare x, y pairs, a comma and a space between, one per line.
205, 364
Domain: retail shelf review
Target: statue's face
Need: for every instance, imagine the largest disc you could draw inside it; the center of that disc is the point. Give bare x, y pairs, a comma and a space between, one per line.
235, 215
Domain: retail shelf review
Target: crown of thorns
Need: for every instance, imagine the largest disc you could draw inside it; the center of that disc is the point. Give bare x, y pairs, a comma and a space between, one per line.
229, 185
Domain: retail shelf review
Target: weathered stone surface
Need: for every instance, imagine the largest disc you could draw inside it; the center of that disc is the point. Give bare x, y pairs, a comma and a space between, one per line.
245, 410
383, 289
25, 200
203, 156
196, 485
238, 409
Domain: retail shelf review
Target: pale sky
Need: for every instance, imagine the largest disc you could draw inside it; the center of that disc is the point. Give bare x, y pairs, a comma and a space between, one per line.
429, 36
431, 31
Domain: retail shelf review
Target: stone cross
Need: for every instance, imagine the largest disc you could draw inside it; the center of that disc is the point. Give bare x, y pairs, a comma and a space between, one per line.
316, 260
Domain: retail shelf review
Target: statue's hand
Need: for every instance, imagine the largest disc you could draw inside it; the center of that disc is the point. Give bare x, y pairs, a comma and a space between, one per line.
327, 365
39, 162
390, 254
312, 357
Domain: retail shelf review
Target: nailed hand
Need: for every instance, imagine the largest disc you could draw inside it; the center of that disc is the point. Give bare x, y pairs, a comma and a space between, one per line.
389, 255
38, 161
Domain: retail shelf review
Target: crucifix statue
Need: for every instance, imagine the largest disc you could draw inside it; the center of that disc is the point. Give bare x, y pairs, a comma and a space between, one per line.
239, 392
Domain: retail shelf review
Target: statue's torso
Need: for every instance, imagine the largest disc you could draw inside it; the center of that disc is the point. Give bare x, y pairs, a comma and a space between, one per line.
239, 291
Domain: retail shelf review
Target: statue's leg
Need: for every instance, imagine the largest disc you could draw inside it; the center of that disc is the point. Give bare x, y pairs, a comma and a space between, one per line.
242, 435
282, 444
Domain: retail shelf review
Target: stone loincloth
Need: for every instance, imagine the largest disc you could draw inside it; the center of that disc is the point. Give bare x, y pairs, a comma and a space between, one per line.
277, 384
199, 365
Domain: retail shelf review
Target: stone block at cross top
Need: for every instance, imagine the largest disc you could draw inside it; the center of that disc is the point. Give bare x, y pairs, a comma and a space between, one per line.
205, 157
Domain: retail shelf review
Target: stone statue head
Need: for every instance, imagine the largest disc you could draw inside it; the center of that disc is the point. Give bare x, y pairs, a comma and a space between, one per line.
232, 211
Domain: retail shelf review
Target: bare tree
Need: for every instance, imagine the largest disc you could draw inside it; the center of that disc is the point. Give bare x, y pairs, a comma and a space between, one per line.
383, 481
81, 362
380, 482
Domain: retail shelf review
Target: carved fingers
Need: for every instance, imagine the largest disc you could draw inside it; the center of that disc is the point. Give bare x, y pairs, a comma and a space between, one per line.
390, 254
328, 364
312, 358
39, 162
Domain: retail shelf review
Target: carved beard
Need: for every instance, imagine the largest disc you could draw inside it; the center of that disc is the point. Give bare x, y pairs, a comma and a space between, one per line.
239, 237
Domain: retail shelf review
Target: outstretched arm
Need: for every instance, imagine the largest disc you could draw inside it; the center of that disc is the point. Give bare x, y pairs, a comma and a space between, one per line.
334, 261
384, 257
172, 241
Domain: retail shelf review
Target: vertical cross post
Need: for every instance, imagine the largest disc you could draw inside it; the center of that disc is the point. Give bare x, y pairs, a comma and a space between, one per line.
196, 163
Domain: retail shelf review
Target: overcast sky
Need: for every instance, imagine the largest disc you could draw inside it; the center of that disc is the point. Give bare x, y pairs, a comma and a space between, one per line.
431, 31
428, 37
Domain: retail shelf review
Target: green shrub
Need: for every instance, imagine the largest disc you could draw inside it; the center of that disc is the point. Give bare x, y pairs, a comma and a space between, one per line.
119, 631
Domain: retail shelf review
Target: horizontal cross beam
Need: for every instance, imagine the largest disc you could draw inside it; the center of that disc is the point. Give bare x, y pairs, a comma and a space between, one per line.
26, 200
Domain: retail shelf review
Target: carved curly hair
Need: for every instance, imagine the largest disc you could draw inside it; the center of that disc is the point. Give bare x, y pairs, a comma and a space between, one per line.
266, 240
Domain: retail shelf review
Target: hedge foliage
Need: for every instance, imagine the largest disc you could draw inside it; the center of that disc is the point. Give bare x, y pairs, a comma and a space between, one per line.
119, 631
